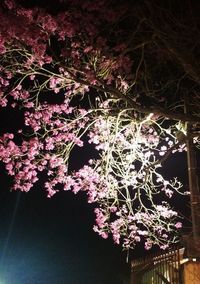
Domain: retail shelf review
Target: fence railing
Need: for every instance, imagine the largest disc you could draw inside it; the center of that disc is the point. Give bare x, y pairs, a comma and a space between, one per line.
158, 268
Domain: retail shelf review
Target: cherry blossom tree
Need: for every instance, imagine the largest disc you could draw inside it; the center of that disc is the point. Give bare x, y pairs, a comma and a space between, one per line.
112, 76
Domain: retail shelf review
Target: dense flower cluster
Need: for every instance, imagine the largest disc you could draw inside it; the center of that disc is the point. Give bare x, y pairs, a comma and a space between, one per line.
49, 65
124, 180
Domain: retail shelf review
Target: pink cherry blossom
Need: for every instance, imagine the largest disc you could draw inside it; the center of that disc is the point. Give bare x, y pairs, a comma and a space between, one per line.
76, 86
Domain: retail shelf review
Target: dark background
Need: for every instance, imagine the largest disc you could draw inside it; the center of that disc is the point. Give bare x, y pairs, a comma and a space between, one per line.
51, 241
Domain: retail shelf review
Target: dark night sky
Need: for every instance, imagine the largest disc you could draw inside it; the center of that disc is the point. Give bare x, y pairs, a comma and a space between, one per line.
51, 241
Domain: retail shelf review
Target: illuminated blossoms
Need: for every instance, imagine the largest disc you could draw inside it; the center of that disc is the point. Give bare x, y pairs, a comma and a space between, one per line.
73, 86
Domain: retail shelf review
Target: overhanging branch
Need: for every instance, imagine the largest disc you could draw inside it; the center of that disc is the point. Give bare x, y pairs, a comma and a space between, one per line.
132, 104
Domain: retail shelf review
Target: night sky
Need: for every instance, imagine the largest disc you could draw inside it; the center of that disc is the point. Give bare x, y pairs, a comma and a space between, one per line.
51, 241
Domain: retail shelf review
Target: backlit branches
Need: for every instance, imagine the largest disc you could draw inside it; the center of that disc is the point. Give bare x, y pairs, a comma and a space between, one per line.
82, 78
